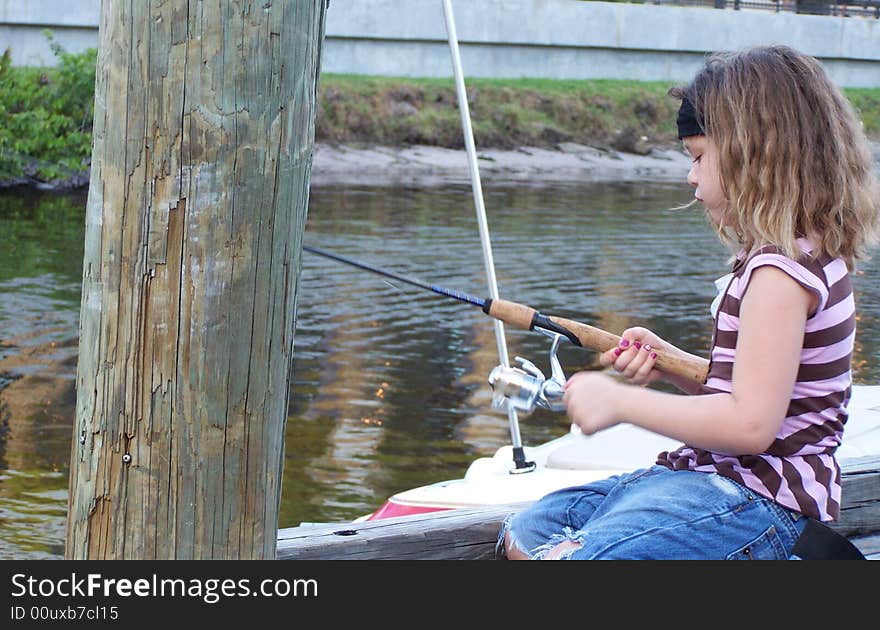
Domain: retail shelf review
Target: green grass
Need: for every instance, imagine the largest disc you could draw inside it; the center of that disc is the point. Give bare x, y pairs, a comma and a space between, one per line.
867, 103
46, 114
504, 113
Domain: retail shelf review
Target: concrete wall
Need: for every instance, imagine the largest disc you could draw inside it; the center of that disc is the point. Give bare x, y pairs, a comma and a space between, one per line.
74, 25
513, 38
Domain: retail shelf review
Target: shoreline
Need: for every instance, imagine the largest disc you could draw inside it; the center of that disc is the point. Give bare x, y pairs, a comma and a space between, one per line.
428, 165
569, 162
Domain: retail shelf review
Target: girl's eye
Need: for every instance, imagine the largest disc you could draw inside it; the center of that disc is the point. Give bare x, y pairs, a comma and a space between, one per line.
697, 158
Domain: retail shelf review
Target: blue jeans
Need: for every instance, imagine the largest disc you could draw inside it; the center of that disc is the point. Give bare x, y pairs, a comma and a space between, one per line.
660, 514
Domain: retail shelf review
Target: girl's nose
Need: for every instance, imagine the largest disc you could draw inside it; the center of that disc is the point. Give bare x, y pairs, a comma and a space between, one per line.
692, 178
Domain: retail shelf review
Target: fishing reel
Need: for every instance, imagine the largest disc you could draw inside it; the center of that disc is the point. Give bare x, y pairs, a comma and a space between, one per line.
525, 387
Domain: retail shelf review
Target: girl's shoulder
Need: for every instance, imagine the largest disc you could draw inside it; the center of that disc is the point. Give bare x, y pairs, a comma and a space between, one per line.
817, 272
811, 265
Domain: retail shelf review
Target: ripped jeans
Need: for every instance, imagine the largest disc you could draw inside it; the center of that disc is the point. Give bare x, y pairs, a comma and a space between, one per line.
656, 513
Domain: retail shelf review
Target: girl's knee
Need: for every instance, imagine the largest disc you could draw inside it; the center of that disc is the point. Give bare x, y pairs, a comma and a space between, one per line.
511, 550
563, 550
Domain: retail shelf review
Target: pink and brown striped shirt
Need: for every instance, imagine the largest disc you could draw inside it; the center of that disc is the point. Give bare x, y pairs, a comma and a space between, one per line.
799, 470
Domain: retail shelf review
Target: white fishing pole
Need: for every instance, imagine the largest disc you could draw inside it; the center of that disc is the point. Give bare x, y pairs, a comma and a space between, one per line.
516, 440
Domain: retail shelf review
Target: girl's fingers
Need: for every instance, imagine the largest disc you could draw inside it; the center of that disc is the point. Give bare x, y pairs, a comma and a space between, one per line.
637, 358
642, 376
632, 358
612, 356
626, 353
636, 362
607, 358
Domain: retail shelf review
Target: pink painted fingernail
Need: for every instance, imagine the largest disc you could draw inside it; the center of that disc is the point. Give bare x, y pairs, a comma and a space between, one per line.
624, 343
617, 352
653, 355
637, 344
647, 348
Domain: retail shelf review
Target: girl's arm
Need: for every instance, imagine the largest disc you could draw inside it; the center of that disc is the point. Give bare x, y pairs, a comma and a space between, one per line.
773, 315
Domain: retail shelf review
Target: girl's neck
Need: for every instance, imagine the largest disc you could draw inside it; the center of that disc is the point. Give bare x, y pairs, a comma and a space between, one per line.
806, 244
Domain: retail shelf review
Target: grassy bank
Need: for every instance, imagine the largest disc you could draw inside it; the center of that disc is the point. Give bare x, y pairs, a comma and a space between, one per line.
625, 115
46, 115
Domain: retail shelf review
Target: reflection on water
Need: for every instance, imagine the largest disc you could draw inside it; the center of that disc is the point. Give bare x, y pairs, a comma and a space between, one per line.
389, 381
41, 249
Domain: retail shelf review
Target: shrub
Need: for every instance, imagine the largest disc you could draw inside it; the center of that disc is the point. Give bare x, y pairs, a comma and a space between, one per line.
46, 117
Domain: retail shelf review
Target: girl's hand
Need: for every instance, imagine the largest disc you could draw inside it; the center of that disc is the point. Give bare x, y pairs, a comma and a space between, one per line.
591, 400
635, 356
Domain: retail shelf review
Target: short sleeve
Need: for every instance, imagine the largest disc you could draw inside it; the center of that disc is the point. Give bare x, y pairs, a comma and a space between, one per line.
798, 272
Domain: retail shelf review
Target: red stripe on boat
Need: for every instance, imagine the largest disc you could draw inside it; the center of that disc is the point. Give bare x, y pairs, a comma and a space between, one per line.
391, 509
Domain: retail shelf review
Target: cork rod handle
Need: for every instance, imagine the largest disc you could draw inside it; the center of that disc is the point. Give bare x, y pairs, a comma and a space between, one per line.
523, 317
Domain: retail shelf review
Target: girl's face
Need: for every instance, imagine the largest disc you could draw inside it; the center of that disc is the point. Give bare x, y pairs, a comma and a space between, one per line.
705, 177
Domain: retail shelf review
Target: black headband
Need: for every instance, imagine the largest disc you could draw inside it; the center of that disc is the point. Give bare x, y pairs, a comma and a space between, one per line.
687, 121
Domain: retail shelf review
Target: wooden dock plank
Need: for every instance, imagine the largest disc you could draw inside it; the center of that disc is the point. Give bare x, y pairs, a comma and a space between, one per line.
860, 509
463, 534
470, 533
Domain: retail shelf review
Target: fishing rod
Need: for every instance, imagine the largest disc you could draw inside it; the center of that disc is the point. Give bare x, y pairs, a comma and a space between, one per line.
521, 465
527, 318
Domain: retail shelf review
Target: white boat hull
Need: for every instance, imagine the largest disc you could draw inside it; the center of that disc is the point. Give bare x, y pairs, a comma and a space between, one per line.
575, 459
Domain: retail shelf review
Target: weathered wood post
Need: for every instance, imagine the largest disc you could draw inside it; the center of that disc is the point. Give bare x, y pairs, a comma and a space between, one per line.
203, 138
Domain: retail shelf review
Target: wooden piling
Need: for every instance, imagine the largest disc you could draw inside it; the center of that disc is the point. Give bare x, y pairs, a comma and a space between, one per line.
203, 139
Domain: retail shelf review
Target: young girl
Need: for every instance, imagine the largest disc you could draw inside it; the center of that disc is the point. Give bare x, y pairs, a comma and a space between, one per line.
784, 172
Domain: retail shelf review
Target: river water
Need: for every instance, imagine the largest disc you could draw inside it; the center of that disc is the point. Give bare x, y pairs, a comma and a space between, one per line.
389, 385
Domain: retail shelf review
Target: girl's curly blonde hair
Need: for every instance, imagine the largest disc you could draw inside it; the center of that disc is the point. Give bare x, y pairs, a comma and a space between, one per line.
793, 158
